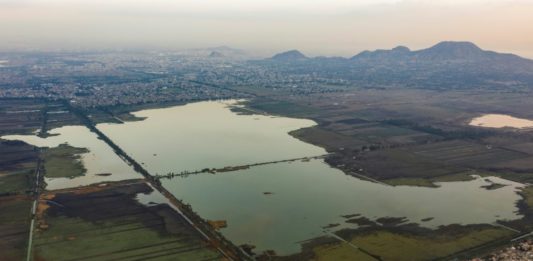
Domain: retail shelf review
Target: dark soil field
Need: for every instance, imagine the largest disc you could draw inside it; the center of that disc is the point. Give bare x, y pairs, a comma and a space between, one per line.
107, 223
14, 227
21, 116
409, 133
18, 161
18, 164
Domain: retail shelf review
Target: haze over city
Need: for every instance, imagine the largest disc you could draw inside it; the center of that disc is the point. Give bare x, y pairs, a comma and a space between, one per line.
319, 27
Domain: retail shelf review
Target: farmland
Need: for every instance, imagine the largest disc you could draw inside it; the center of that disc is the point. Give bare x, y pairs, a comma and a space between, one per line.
83, 222
14, 226
399, 245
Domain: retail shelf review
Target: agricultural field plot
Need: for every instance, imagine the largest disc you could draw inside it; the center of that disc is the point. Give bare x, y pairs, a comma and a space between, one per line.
469, 154
107, 223
58, 115
279, 107
521, 165
20, 116
14, 227
355, 134
399, 245
329, 140
435, 161
18, 162
405, 242
401, 163
525, 147
380, 133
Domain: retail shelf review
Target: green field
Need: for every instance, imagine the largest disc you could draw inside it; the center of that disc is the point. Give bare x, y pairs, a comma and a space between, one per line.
63, 161
109, 224
399, 246
15, 182
14, 227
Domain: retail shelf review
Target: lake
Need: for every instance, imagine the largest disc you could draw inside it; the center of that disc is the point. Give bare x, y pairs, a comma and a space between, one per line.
501, 121
207, 135
276, 206
100, 158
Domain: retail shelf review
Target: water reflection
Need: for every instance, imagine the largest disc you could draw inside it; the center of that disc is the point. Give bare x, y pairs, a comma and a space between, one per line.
100, 159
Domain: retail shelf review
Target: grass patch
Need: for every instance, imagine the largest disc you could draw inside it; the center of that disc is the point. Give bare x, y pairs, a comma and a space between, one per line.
461, 176
390, 245
527, 193
63, 161
16, 181
418, 182
109, 224
430, 182
341, 251
68, 238
14, 211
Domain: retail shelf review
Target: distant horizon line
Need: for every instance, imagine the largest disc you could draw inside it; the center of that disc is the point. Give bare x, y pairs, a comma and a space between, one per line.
248, 51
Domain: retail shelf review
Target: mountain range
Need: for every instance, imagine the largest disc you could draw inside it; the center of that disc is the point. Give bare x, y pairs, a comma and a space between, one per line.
446, 64
289, 56
443, 51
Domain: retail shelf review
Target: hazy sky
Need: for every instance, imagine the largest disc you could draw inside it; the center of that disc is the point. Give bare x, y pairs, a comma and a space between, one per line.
316, 27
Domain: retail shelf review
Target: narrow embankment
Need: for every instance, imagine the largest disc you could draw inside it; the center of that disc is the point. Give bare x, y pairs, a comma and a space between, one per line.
171, 175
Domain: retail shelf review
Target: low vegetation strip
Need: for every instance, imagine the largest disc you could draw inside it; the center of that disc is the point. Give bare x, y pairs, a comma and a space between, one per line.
171, 175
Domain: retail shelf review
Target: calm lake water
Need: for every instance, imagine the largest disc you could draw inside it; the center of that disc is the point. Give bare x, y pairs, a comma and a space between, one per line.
100, 158
501, 121
305, 196
207, 135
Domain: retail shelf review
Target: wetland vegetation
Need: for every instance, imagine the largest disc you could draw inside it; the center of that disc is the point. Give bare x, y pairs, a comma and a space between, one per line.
64, 161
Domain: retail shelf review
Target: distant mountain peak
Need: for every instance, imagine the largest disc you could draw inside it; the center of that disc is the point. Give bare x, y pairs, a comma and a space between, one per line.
401, 48
452, 50
396, 52
456, 45
457, 51
289, 55
216, 54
